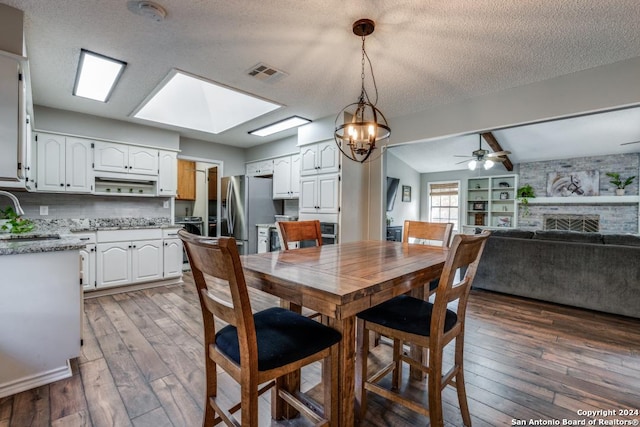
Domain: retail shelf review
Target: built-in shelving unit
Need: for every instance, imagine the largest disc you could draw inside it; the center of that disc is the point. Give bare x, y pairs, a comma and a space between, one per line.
491, 201
592, 200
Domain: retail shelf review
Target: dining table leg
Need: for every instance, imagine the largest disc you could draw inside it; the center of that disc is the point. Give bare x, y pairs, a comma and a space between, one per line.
346, 369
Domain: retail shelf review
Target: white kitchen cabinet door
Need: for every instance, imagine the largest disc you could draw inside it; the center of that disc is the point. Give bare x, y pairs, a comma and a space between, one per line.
328, 187
308, 195
111, 157
286, 177
322, 157
88, 267
78, 171
295, 176
319, 194
259, 168
64, 164
172, 258
328, 157
113, 264
308, 156
51, 175
143, 161
168, 173
146, 260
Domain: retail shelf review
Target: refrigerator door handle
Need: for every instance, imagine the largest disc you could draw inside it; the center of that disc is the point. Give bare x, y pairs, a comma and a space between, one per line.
230, 207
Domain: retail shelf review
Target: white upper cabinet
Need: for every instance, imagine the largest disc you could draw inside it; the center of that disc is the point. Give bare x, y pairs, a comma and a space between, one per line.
322, 157
122, 158
260, 168
286, 177
168, 173
64, 164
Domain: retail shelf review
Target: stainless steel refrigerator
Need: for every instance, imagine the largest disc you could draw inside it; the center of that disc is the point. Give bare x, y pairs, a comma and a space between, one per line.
247, 201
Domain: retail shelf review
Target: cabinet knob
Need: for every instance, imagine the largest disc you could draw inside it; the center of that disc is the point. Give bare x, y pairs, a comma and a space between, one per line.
61, 184
68, 185
129, 246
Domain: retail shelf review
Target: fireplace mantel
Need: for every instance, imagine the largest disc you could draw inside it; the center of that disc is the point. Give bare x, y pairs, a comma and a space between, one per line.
593, 200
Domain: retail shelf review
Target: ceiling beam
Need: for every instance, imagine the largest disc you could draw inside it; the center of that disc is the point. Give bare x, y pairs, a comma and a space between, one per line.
495, 146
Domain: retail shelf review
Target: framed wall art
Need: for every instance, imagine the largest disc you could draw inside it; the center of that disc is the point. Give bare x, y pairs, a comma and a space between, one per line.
406, 193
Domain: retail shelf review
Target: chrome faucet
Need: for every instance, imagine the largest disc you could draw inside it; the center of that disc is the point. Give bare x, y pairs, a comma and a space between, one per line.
16, 202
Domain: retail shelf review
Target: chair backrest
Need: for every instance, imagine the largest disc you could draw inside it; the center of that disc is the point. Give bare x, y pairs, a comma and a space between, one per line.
298, 231
465, 252
217, 260
431, 233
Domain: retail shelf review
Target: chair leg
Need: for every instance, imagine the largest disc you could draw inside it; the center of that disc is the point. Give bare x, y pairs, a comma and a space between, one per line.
435, 389
362, 355
396, 377
249, 403
211, 390
460, 385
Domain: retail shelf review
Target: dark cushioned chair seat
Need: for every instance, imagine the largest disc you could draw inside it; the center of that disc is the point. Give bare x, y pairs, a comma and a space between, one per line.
283, 337
406, 314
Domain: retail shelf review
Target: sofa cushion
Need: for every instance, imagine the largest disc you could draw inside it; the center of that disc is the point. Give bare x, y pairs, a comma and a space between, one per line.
515, 233
569, 236
622, 239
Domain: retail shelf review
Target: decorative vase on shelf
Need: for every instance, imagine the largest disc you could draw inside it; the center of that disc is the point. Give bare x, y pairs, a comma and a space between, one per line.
619, 191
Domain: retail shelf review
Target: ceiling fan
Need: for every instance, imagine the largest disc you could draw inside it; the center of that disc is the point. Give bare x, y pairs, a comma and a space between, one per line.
483, 157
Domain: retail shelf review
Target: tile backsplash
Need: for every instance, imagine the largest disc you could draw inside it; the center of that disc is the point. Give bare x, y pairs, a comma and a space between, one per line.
65, 206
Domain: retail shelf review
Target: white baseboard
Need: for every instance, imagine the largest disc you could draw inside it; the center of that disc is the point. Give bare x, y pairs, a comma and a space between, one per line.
37, 380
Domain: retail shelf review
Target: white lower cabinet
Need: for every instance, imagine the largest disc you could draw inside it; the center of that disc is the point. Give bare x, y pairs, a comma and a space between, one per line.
172, 258
145, 256
88, 267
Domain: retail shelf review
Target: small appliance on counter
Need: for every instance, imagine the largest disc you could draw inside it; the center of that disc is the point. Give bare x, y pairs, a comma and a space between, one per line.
193, 224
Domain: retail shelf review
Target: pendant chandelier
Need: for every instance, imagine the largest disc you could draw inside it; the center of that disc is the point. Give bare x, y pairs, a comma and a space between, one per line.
360, 127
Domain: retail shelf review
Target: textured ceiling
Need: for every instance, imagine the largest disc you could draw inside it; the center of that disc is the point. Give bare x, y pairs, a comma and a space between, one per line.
424, 53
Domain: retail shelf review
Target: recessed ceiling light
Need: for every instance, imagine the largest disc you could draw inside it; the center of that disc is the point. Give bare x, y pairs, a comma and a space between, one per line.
195, 103
97, 75
291, 122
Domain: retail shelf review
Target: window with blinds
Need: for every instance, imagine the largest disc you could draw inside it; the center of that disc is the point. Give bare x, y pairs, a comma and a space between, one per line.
443, 202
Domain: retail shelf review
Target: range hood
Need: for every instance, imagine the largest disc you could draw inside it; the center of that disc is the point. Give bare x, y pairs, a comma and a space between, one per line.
115, 177
120, 184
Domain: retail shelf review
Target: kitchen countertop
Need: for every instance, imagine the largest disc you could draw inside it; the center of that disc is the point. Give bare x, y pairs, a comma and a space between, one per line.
124, 227
11, 244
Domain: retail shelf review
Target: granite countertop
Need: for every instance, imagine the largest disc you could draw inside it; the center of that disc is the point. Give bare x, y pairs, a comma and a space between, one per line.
12, 244
123, 227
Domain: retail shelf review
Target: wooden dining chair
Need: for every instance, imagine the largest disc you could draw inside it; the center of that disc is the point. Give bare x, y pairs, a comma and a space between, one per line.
299, 231
428, 233
257, 350
410, 320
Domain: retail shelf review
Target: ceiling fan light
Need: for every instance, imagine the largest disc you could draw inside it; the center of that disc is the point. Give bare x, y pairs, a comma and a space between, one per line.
472, 165
488, 164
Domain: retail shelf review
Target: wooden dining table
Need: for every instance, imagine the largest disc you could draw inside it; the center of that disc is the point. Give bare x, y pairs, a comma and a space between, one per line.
339, 281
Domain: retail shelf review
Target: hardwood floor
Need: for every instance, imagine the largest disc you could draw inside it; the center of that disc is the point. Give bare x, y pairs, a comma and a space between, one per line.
142, 365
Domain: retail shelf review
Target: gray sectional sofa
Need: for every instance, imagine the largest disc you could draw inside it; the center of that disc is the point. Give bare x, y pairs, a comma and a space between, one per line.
589, 270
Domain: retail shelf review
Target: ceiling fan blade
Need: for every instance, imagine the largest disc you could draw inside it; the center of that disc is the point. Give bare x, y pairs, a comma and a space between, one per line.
464, 161
468, 157
629, 143
499, 153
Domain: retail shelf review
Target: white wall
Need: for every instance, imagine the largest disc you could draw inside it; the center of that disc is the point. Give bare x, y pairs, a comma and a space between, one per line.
85, 125
281, 147
232, 158
402, 211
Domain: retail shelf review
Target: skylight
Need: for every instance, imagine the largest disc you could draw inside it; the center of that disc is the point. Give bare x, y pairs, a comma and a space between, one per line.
194, 103
97, 75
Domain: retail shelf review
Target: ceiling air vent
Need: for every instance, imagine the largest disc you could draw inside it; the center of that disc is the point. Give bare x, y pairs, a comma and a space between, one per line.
266, 73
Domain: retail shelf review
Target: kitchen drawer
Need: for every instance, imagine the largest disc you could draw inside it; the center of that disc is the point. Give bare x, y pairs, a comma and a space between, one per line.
85, 237
127, 235
170, 233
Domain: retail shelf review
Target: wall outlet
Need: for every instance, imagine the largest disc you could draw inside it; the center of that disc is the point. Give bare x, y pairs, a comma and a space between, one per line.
44, 210
165, 204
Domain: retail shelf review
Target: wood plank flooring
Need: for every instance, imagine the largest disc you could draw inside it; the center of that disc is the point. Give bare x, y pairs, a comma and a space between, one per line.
142, 365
